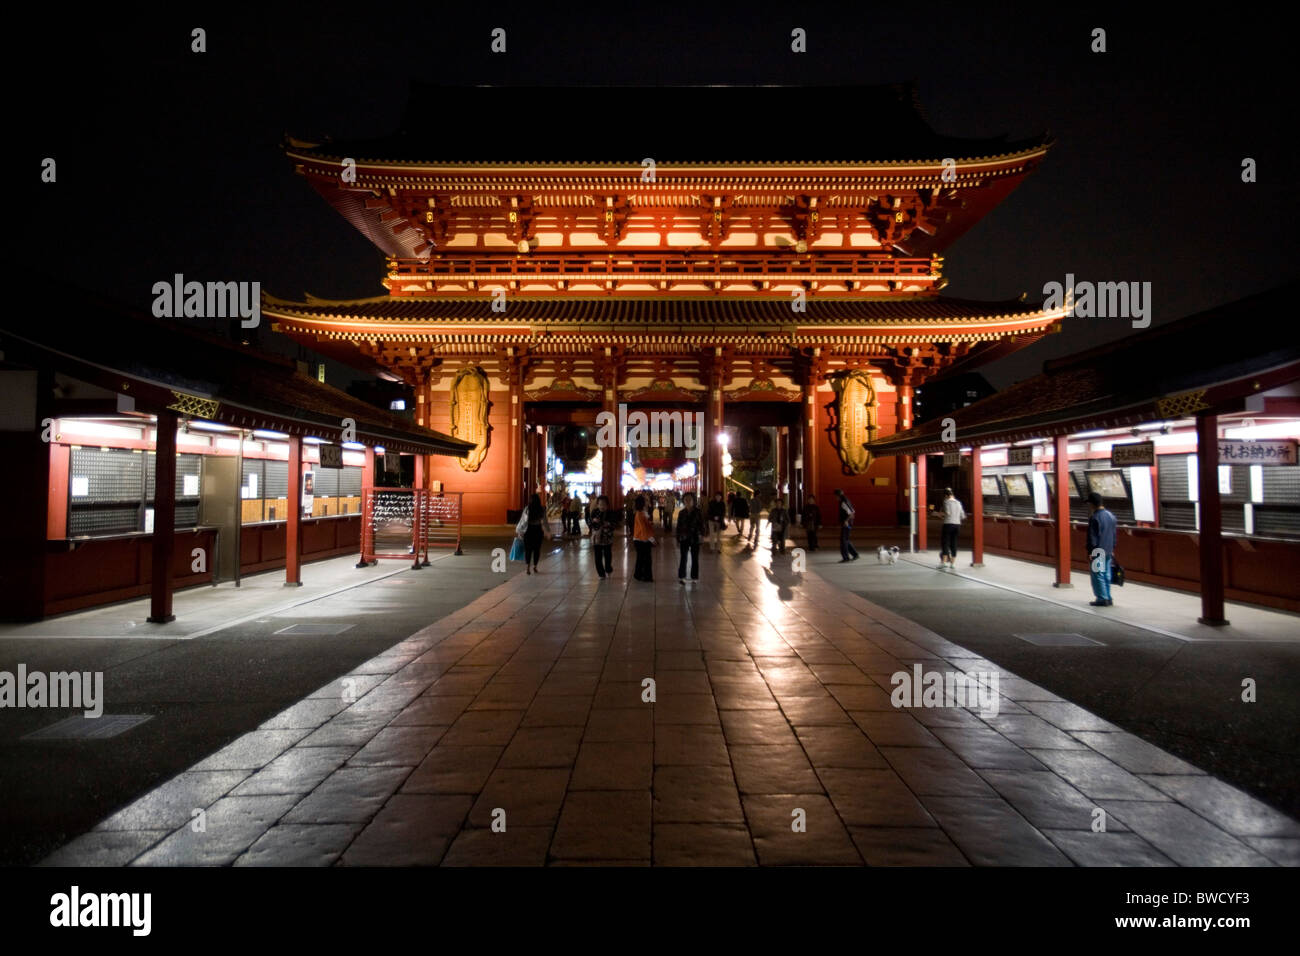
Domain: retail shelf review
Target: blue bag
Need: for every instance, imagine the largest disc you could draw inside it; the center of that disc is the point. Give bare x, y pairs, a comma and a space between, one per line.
517, 550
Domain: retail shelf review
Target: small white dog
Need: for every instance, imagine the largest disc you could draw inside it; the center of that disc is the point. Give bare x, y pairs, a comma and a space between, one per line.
887, 555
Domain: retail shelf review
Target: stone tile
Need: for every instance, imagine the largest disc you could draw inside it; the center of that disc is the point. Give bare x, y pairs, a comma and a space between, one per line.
170, 805
1181, 835
398, 747
815, 711
1095, 776
557, 712
894, 730
1225, 806
1045, 800
567, 684
756, 727
670, 683
453, 770
823, 842
934, 770
690, 745
253, 750
906, 846
300, 845
516, 846
736, 695
483, 728
604, 825
704, 844
773, 768
346, 730
873, 798
104, 848
696, 795
298, 770
986, 749
861, 697
1067, 716
530, 798
1027, 730
543, 747
232, 825
431, 712
308, 713
622, 765
679, 661
686, 709
349, 795
1133, 753
621, 724
357, 685
839, 674
410, 830
620, 694
1284, 851
1086, 848
839, 746
990, 832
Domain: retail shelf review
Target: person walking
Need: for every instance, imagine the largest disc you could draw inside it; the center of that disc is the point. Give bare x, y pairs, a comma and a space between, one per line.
847, 551
812, 520
667, 505
643, 536
690, 526
629, 510
755, 521
1101, 548
538, 528
717, 517
741, 512
731, 508
575, 515
601, 522
953, 515
778, 520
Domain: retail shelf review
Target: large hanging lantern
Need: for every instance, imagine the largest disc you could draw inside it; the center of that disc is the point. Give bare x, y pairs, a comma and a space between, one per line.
572, 447
753, 445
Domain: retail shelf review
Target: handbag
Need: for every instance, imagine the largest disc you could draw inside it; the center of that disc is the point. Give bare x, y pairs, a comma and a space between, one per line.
521, 527
1116, 573
517, 550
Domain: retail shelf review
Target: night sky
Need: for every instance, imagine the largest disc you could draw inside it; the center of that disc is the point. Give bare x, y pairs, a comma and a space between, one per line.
169, 161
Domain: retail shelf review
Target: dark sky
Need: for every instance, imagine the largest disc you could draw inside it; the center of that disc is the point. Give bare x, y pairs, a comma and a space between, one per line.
168, 161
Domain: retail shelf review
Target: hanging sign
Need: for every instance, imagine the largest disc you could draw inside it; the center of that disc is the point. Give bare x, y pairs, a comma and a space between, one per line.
331, 456
1020, 456
952, 459
1235, 450
1133, 454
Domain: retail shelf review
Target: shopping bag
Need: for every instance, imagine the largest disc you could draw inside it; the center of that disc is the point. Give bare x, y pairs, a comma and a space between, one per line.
521, 526
1116, 573
517, 550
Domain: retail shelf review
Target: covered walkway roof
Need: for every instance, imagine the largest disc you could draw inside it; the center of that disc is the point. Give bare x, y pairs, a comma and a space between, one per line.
164, 364
1206, 363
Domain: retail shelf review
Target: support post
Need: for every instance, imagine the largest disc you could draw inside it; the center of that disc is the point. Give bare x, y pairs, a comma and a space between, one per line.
1211, 531
713, 420
164, 518
809, 418
976, 508
922, 503
1061, 468
293, 521
367, 508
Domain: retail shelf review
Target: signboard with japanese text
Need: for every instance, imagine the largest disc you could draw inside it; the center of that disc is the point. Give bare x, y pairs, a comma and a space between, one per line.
1234, 451
1133, 454
1020, 456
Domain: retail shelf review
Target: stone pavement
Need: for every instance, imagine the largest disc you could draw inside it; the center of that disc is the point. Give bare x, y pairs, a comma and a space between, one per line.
772, 708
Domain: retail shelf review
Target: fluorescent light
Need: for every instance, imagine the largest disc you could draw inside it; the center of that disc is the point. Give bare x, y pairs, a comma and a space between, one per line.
262, 433
397, 405
1092, 434
354, 445
1287, 429
314, 441
212, 427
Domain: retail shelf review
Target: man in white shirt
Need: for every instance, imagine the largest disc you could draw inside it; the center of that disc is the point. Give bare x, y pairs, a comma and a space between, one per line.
953, 515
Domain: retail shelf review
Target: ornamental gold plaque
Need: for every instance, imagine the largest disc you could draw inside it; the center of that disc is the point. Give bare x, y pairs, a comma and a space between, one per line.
855, 413
469, 414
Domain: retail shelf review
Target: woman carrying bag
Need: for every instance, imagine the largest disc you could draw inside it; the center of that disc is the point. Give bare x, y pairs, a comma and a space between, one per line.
537, 527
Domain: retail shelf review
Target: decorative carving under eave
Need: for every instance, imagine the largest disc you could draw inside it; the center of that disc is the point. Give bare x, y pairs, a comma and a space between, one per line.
763, 390
614, 213
804, 217
192, 405
1178, 406
663, 390
563, 390
469, 414
715, 218
855, 420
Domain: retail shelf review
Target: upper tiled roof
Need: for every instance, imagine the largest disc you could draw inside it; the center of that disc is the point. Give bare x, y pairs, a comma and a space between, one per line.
593, 126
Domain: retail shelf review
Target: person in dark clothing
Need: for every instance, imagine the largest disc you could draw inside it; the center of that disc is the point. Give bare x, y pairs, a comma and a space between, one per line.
741, 513
537, 529
601, 523
812, 520
717, 519
690, 526
629, 511
778, 520
1101, 548
847, 551
731, 507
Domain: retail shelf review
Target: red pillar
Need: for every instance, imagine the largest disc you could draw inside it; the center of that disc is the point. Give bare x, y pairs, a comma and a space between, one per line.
164, 518
712, 429
810, 441
367, 488
611, 469
976, 508
1211, 536
516, 456
922, 500
293, 521
1061, 468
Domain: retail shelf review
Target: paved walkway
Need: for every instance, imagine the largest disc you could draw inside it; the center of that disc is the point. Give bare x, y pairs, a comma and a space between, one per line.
772, 739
